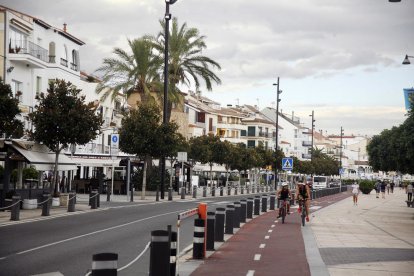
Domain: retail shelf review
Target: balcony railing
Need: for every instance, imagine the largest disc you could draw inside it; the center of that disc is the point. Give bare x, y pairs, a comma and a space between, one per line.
63, 62
52, 59
28, 47
264, 134
307, 143
73, 66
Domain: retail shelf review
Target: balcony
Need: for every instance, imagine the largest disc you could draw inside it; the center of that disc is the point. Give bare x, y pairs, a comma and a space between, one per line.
306, 156
63, 62
73, 66
265, 134
28, 53
307, 143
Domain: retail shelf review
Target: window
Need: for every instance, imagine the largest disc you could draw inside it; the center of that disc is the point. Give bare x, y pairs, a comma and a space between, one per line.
242, 132
38, 85
251, 143
251, 131
17, 42
17, 87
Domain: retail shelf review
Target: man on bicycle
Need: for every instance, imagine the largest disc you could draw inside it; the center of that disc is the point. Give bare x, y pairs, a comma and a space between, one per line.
303, 193
283, 195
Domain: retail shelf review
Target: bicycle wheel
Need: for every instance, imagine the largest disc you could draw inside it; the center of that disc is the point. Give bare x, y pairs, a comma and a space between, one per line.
303, 215
283, 214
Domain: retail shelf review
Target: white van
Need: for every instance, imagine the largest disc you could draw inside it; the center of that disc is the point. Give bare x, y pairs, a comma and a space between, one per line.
320, 182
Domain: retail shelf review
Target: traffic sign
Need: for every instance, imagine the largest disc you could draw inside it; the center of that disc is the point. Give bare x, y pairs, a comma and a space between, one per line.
114, 144
341, 170
287, 164
182, 156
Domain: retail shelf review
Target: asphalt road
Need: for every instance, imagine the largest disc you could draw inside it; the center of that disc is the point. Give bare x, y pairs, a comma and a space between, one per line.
66, 244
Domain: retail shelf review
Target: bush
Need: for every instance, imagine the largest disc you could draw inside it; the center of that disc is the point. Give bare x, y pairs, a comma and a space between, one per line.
30, 173
366, 186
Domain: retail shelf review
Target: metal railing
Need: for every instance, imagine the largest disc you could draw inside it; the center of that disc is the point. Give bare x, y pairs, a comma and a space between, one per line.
73, 66
28, 47
63, 62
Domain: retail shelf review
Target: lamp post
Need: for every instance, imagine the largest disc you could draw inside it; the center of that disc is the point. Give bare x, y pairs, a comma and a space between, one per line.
278, 92
340, 158
313, 130
165, 105
406, 60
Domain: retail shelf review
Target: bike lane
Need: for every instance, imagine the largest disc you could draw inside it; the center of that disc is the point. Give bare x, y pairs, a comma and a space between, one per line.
265, 246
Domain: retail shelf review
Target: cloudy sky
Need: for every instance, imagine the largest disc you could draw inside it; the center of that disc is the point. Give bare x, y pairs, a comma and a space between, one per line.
340, 58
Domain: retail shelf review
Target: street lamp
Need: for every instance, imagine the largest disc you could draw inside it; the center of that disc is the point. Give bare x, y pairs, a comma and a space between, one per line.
407, 60
313, 129
278, 92
340, 157
165, 106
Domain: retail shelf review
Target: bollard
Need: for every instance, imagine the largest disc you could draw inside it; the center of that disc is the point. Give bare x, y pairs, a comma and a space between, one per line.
204, 191
241, 190
253, 191
243, 209
94, 199
219, 227
236, 216
46, 205
194, 192
272, 202
213, 191
170, 195
157, 194
264, 203
257, 205
267, 188
211, 218
228, 190
262, 189
198, 239
249, 208
248, 190
221, 190
235, 190
71, 203
182, 193
173, 253
229, 219
15, 209
159, 253
104, 264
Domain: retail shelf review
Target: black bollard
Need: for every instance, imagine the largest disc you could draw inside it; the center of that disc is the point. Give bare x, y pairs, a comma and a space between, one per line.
104, 264
71, 202
213, 190
46, 205
170, 196
15, 209
264, 203
248, 189
221, 190
257, 205
235, 190
236, 220
229, 219
243, 209
157, 194
173, 253
194, 192
242, 190
204, 191
198, 239
228, 190
159, 253
182, 193
211, 218
94, 199
272, 202
253, 191
249, 208
219, 227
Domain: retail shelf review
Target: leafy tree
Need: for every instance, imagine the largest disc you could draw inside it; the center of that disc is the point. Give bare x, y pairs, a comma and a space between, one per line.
9, 109
62, 118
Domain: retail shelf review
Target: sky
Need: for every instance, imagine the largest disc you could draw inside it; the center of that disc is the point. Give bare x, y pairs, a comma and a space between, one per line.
340, 58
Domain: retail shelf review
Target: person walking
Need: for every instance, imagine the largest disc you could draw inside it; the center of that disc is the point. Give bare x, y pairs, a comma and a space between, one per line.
392, 187
410, 191
378, 187
355, 192
383, 186
388, 188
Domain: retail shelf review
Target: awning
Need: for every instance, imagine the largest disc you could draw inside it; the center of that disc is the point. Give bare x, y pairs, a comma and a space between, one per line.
96, 162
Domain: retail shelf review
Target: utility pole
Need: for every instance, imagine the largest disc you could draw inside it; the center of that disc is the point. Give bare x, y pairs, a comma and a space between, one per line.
340, 157
313, 130
278, 92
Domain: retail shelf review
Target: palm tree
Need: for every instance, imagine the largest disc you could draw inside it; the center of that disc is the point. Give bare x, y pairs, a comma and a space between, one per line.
186, 63
131, 73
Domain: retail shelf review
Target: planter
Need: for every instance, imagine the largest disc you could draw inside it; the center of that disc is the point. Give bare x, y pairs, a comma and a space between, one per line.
29, 204
64, 198
55, 202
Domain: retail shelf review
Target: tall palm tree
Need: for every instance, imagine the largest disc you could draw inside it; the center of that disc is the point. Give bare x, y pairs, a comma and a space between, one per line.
186, 64
136, 72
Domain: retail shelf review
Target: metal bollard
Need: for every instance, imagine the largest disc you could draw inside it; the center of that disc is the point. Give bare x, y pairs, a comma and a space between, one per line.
194, 192
159, 253
241, 190
104, 264
173, 253
235, 190
272, 202
182, 193
249, 208
247, 190
15, 209
219, 227
264, 203
228, 190
211, 218
236, 217
243, 209
204, 191
170, 196
94, 199
71, 203
257, 205
213, 191
221, 190
198, 239
253, 191
229, 219
46, 205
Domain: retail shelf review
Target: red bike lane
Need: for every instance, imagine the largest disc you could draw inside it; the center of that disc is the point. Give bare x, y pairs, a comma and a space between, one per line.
265, 246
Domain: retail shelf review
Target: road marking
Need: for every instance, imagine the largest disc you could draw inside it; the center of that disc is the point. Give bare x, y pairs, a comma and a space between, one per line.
2, 258
315, 207
270, 231
267, 237
137, 258
262, 245
276, 221
96, 232
273, 225
257, 257
250, 273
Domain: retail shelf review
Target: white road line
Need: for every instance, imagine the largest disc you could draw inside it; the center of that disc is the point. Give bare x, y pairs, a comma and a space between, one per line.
270, 231
2, 258
250, 273
273, 225
276, 221
267, 237
257, 257
262, 245
96, 232
137, 258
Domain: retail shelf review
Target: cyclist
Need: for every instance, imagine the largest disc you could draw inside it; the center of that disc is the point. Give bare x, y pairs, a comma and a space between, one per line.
303, 193
283, 195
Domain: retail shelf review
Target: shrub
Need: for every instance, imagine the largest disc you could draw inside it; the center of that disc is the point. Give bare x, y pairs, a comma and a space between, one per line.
366, 186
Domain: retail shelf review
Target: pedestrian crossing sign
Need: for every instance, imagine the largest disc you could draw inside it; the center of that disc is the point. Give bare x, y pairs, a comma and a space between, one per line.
287, 164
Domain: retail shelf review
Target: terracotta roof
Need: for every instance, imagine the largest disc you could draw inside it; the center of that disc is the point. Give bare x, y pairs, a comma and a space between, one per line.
362, 163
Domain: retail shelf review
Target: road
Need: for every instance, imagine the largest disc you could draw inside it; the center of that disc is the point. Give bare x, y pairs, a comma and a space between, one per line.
66, 244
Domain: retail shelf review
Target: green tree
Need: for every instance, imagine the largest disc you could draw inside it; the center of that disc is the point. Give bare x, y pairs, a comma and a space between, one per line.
9, 109
62, 118
186, 63
135, 72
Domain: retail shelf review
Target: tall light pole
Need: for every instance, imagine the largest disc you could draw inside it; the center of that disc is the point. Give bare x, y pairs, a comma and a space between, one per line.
278, 92
340, 157
165, 106
313, 130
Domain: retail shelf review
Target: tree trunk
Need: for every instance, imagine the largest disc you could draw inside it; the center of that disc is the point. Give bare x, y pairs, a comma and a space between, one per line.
211, 175
144, 178
55, 184
172, 171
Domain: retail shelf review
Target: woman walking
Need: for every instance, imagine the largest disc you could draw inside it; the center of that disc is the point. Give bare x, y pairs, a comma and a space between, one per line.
383, 185
355, 192
410, 191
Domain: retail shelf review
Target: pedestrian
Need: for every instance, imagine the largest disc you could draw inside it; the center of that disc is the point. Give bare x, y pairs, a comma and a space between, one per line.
410, 191
378, 187
355, 192
392, 187
388, 187
383, 186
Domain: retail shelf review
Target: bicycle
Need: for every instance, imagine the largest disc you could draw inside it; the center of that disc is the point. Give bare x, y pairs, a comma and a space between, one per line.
302, 207
283, 209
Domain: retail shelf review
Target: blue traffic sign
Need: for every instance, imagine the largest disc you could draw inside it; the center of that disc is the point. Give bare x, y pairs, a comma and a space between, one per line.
287, 164
114, 138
